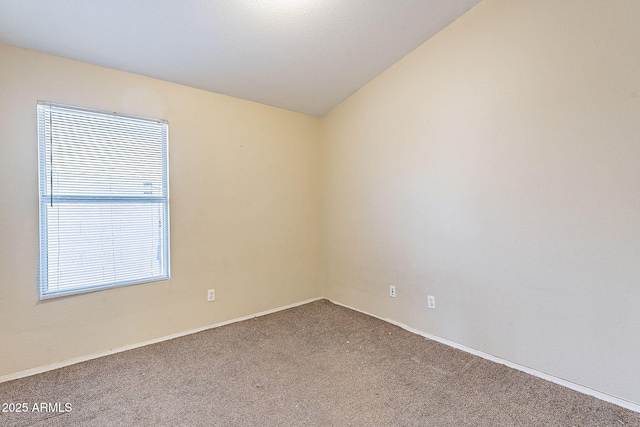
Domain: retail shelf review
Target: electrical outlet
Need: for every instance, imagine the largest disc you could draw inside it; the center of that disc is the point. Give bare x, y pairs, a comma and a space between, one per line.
431, 302
392, 291
211, 295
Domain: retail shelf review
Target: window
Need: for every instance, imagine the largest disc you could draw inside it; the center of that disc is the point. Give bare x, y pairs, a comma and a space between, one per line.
104, 200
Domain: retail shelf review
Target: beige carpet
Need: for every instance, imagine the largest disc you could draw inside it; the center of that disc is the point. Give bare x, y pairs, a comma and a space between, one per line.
313, 365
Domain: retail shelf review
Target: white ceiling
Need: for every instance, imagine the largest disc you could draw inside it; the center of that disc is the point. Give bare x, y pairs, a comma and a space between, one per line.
300, 55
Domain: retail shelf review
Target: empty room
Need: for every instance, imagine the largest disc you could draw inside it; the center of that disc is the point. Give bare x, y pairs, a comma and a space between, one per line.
320, 212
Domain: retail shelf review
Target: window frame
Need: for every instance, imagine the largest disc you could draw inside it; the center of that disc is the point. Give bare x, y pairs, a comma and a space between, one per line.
47, 197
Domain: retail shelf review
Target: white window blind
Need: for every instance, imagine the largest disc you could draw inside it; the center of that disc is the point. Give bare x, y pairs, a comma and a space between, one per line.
104, 200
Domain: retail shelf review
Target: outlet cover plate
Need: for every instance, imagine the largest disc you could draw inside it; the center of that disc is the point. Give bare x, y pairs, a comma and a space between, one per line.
431, 302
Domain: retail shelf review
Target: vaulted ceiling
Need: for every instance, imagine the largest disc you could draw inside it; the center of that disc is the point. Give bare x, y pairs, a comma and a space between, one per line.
300, 55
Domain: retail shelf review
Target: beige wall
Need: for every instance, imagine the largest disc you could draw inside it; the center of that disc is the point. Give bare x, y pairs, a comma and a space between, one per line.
497, 167
245, 212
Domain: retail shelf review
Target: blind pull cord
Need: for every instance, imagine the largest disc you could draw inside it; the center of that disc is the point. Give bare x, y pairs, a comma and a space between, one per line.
51, 158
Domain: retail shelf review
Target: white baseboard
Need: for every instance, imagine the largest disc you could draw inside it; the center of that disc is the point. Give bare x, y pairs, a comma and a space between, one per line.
75, 360
573, 386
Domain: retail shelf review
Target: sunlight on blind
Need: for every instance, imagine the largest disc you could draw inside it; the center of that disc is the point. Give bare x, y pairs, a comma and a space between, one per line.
104, 202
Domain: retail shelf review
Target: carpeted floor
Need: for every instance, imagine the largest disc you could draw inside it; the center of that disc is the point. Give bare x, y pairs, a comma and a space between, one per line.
314, 365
